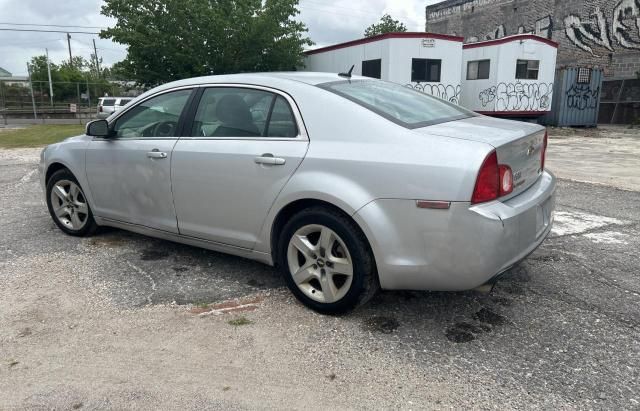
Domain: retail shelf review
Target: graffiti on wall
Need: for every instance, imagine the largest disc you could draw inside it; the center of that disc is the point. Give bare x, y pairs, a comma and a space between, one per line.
518, 96
449, 92
581, 34
582, 97
597, 29
542, 27
443, 13
625, 15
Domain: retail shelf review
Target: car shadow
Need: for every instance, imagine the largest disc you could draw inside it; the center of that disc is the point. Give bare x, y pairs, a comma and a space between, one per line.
142, 270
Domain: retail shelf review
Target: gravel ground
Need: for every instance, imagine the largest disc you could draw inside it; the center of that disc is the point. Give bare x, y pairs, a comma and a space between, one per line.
609, 156
119, 321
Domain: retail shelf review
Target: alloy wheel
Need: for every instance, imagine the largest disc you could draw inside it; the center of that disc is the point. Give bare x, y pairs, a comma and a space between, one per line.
69, 204
320, 263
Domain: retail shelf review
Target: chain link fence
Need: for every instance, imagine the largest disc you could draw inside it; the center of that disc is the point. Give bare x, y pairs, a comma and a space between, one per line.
25, 102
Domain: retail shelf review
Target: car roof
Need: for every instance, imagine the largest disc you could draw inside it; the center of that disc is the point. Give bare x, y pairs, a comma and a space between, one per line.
267, 79
286, 80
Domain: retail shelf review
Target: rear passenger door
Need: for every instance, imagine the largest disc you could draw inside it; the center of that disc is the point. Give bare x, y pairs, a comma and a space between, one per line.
243, 146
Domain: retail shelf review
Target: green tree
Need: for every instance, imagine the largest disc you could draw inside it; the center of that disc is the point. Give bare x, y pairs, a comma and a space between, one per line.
68, 78
386, 25
174, 39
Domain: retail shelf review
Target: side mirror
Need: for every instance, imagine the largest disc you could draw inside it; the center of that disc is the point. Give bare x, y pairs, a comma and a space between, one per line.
98, 128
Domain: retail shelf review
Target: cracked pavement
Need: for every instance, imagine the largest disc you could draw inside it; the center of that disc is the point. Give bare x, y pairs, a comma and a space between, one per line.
113, 321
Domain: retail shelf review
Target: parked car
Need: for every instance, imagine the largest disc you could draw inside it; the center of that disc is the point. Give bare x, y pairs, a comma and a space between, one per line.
347, 184
109, 105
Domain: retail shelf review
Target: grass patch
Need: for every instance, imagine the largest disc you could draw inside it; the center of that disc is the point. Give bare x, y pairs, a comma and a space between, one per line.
40, 135
236, 322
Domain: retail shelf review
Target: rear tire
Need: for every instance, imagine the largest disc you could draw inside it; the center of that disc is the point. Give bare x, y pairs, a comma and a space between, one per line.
326, 261
68, 205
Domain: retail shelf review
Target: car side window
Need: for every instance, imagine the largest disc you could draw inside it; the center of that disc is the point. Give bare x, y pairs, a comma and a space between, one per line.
242, 112
155, 117
282, 122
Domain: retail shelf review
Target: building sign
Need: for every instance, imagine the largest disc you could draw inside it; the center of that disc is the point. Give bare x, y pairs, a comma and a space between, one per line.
73, 108
429, 43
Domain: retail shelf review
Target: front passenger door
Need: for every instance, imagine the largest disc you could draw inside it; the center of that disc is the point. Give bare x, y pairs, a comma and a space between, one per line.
129, 173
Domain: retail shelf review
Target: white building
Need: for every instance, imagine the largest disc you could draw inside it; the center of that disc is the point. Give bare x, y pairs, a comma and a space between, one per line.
510, 76
426, 61
9, 79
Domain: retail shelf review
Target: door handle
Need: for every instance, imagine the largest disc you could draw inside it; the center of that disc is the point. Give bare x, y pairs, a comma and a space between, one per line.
156, 154
269, 159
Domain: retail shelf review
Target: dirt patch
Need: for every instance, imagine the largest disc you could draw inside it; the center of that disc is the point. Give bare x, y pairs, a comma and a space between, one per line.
106, 241
487, 316
384, 325
153, 255
232, 306
459, 336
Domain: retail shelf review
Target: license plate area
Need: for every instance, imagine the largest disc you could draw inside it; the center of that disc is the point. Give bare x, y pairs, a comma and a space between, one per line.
544, 216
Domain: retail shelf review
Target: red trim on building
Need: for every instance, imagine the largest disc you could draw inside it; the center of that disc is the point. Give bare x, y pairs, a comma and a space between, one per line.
509, 39
405, 35
514, 113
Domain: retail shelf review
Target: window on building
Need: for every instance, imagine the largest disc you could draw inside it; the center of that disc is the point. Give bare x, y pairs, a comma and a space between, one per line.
425, 70
527, 69
584, 75
372, 68
478, 69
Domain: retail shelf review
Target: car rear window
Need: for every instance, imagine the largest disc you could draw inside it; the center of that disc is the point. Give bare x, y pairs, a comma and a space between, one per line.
402, 105
109, 102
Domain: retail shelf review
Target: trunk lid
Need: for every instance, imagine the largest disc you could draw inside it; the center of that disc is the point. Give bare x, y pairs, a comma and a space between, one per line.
518, 144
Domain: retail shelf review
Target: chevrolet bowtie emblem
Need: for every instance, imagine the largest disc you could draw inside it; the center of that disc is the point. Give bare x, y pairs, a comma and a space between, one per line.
530, 150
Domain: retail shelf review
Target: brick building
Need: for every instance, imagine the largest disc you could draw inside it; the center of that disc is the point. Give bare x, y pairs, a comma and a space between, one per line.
601, 34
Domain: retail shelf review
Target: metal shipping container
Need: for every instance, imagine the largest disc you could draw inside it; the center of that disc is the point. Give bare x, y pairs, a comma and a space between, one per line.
576, 98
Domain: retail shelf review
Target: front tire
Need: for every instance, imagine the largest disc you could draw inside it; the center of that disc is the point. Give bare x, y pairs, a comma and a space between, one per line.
68, 205
326, 261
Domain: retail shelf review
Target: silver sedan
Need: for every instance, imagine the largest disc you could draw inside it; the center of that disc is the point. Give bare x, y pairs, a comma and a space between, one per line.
347, 184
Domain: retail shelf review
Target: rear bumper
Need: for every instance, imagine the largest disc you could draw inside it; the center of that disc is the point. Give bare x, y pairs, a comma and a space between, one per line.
459, 248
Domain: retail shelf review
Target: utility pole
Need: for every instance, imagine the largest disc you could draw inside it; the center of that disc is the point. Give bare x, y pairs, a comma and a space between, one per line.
49, 73
95, 53
88, 93
33, 99
4, 103
69, 45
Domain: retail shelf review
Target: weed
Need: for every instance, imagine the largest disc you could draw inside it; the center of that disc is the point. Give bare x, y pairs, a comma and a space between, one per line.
238, 321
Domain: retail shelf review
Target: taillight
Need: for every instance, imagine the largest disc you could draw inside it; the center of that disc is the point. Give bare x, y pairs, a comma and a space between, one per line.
100, 109
543, 152
493, 180
487, 186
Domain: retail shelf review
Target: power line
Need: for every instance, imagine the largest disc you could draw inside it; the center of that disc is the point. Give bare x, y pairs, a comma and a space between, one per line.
50, 31
53, 25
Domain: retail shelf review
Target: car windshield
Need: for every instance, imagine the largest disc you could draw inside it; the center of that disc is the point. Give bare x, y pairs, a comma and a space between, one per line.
402, 105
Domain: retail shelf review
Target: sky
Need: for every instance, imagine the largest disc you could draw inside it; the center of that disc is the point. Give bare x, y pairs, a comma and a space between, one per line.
328, 21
